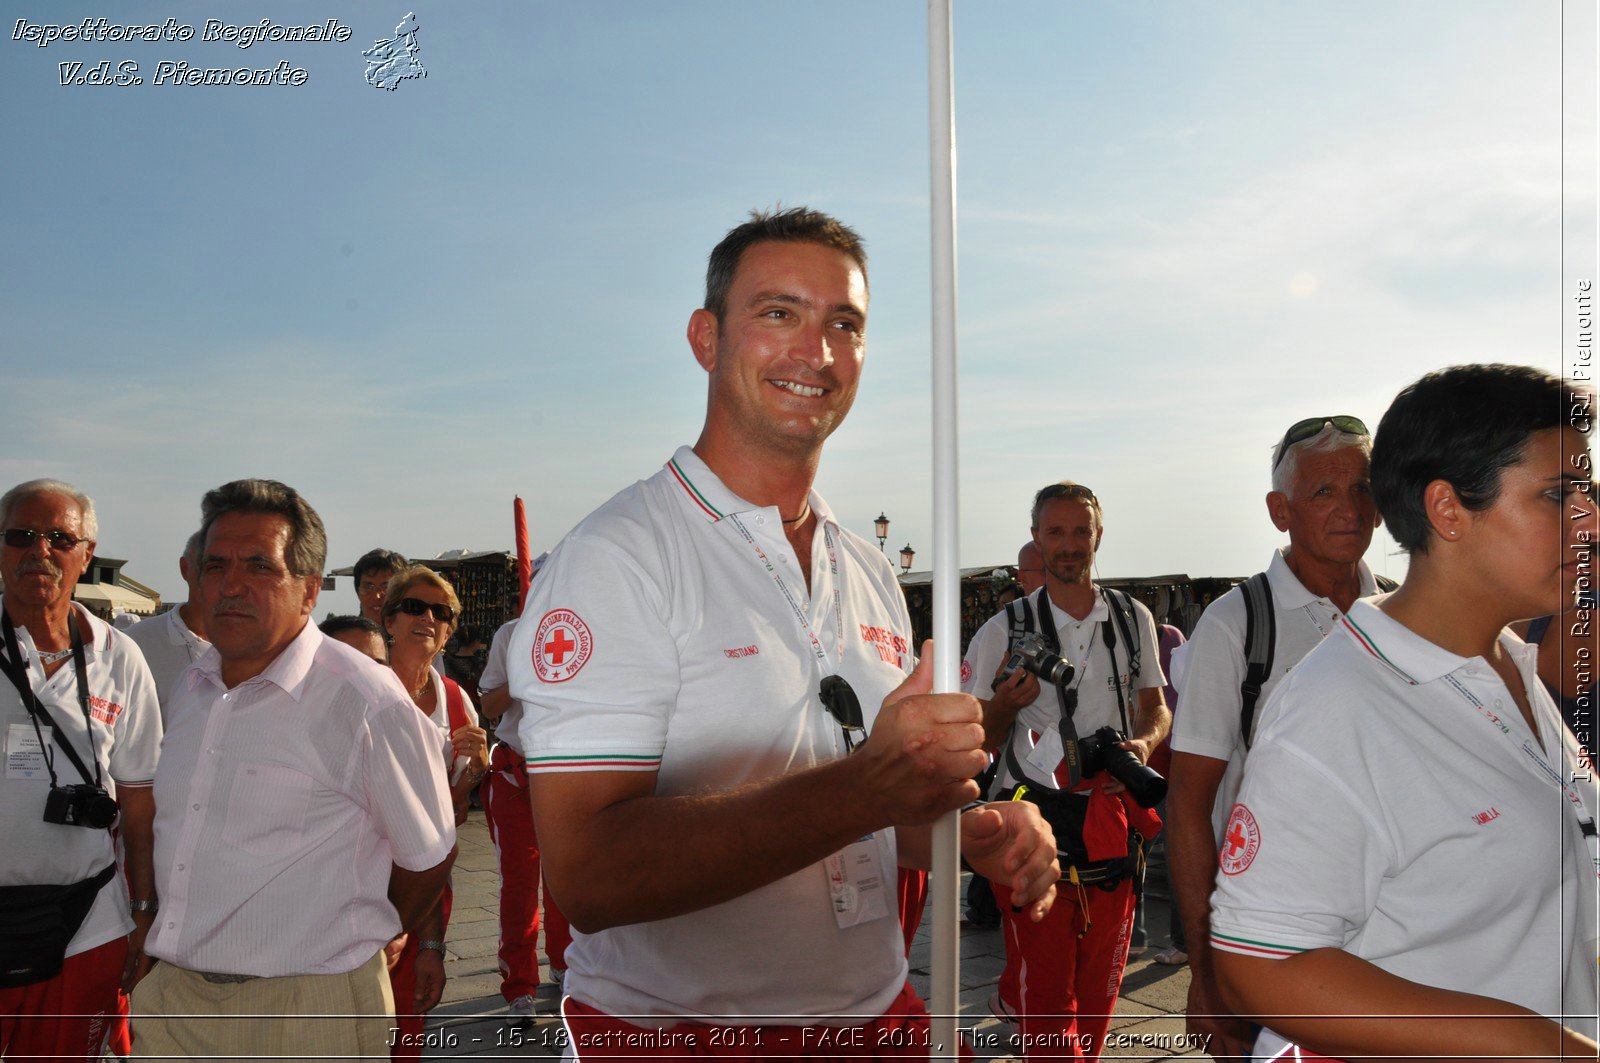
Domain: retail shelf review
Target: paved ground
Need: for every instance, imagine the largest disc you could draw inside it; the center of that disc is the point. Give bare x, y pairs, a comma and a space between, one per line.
470, 1020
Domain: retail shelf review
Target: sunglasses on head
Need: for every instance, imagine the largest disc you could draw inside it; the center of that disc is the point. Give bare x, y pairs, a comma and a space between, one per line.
416, 607
22, 538
1309, 428
1074, 491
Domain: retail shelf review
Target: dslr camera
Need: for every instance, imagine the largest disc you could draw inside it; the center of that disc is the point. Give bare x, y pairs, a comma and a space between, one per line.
82, 805
1030, 653
1100, 752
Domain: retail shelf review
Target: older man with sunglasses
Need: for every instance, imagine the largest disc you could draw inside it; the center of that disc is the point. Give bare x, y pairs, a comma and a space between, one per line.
81, 724
1322, 497
1063, 974
303, 816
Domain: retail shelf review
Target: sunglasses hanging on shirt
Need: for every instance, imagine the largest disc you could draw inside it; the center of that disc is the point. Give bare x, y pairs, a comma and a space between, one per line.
842, 704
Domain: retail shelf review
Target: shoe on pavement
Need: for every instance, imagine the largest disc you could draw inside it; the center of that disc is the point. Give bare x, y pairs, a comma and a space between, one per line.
521, 1010
1135, 951
1000, 1009
558, 977
1173, 957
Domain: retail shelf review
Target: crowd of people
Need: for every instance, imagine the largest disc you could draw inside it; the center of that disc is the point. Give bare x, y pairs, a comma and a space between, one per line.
718, 754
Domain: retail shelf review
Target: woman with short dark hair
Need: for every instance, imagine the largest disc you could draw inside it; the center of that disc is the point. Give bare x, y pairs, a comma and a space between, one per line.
1410, 869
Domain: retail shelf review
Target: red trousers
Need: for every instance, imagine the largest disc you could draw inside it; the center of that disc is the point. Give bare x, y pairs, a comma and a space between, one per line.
69, 1016
505, 807
900, 1033
1064, 987
403, 981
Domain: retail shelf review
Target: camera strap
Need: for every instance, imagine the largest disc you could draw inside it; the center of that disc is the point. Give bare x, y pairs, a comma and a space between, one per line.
16, 670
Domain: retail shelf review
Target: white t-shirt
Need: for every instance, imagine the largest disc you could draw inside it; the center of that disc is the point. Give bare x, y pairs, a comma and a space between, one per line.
656, 639
495, 676
169, 648
283, 804
127, 741
1395, 805
1214, 667
1082, 646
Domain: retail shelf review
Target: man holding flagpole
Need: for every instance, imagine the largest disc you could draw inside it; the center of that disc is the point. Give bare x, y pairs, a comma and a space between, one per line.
726, 756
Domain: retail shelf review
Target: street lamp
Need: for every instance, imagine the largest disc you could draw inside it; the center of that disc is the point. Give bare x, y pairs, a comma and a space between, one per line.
881, 530
907, 555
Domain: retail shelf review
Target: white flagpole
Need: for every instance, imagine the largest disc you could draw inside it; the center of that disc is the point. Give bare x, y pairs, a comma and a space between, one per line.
946, 874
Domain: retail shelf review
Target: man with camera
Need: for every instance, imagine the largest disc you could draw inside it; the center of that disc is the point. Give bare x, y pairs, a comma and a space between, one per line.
80, 720
696, 664
1322, 497
1071, 684
303, 818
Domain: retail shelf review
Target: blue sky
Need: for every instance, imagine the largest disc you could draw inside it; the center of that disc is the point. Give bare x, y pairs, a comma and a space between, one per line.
1182, 227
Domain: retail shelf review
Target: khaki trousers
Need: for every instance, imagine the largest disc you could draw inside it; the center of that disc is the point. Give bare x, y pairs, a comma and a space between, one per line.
179, 1015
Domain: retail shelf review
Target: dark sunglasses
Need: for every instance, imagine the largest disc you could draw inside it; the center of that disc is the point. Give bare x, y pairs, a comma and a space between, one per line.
1309, 428
23, 538
416, 607
1078, 492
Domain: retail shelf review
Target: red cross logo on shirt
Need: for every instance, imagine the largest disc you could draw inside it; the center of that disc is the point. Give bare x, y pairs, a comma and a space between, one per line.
561, 646
1241, 841
558, 648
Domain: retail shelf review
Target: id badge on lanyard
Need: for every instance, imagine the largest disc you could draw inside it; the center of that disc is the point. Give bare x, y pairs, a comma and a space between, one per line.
857, 875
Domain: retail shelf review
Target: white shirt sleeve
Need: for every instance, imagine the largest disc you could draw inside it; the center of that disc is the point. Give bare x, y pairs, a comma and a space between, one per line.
137, 744
1302, 858
1150, 673
403, 776
985, 653
494, 669
594, 663
1213, 668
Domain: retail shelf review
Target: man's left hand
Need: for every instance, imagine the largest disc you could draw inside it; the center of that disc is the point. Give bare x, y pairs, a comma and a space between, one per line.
138, 964
430, 980
1010, 843
1139, 747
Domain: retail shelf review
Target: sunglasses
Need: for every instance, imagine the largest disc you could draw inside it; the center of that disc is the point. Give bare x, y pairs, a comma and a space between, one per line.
1301, 431
416, 607
1077, 492
23, 538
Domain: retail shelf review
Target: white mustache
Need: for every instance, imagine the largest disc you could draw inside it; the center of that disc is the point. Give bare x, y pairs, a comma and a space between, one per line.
38, 565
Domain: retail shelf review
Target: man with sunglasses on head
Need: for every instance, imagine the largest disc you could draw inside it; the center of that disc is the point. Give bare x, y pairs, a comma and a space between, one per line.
695, 666
1322, 497
82, 730
1063, 974
303, 820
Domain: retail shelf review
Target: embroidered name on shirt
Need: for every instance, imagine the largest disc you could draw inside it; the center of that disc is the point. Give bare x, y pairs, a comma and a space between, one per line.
1480, 818
1241, 840
741, 651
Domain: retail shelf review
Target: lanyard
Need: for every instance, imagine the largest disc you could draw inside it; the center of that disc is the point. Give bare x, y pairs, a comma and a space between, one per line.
1542, 767
17, 672
829, 671
800, 617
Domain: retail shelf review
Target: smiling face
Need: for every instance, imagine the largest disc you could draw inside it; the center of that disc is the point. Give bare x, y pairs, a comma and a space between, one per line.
1068, 535
1331, 515
786, 356
254, 606
1530, 548
418, 637
40, 575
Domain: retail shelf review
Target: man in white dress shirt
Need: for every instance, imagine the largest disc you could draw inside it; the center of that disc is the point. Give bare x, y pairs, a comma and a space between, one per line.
303, 819
176, 638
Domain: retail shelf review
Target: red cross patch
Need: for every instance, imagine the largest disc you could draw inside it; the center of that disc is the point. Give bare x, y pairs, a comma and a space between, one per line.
966, 671
1241, 840
561, 647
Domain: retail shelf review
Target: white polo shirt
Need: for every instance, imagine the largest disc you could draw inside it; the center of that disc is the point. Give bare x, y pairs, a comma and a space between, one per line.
1396, 805
169, 648
127, 740
281, 806
494, 676
1214, 667
1082, 646
656, 639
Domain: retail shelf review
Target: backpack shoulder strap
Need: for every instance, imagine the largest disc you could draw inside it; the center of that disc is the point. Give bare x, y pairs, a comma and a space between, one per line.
1121, 607
1019, 616
1260, 639
455, 704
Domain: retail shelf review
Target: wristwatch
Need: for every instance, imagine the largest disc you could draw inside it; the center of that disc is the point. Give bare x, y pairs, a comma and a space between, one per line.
144, 906
436, 946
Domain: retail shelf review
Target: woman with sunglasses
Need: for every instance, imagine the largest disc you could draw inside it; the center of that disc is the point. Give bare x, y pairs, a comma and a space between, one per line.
420, 610
1410, 869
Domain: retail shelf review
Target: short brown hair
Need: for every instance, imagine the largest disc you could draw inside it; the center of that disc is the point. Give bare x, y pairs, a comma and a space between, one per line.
799, 225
